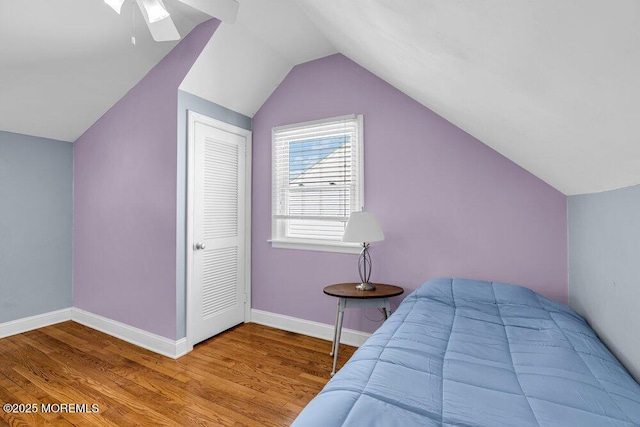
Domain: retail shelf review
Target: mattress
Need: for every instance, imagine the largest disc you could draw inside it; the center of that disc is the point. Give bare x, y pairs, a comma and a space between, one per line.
472, 353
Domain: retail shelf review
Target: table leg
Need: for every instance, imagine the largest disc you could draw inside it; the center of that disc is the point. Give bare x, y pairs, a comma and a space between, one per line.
387, 308
341, 306
335, 329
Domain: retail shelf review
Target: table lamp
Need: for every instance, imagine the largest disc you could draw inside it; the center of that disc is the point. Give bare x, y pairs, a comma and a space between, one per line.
363, 228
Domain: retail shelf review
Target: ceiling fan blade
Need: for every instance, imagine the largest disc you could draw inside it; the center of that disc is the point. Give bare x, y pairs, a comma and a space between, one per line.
115, 5
162, 30
224, 10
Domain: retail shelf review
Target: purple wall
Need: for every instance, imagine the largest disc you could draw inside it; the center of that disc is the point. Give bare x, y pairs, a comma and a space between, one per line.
124, 265
448, 204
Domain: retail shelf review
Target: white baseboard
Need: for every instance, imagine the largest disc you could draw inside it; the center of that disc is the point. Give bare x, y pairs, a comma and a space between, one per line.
139, 337
26, 324
307, 327
165, 346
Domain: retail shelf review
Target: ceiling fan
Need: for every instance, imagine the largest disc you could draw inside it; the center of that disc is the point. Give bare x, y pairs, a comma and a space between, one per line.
160, 24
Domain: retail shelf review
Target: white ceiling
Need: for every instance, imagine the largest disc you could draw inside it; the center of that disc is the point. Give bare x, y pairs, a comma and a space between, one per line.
244, 62
64, 63
551, 85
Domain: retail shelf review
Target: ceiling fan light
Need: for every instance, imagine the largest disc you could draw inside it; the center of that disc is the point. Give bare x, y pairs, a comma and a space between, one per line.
115, 5
155, 10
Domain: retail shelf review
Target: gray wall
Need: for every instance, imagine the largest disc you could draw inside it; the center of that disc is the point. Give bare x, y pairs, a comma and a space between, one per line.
186, 102
604, 268
35, 225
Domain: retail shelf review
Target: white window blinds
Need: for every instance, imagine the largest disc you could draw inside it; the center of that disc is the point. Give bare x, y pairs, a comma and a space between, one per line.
317, 178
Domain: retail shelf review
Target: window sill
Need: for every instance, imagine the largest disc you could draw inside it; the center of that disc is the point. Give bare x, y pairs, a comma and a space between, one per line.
306, 245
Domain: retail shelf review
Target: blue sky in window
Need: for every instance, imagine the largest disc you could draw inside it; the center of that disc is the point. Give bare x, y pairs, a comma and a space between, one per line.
305, 154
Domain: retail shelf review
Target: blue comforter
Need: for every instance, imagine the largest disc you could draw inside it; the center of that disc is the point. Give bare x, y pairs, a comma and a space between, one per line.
471, 353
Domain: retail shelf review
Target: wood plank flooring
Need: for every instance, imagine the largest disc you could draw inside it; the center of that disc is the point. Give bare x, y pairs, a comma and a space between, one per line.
251, 375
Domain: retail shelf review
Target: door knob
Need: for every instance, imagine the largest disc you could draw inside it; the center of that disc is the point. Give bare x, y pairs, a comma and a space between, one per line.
200, 246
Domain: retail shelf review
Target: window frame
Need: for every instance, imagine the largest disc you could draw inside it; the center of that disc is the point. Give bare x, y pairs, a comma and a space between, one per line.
278, 240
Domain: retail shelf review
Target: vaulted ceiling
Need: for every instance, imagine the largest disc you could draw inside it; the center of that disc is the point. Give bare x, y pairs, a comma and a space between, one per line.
551, 85
63, 63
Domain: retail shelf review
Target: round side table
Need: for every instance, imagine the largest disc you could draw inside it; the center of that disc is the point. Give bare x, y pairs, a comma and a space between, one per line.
350, 297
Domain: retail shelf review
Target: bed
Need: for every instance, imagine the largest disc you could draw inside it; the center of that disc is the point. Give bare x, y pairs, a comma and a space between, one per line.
472, 353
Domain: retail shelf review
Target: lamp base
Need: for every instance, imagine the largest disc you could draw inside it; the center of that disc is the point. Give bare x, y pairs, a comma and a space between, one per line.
365, 286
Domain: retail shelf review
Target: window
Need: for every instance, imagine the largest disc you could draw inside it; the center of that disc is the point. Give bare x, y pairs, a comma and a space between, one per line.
316, 183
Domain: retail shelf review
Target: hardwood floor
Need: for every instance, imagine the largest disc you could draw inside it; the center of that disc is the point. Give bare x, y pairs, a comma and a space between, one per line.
250, 375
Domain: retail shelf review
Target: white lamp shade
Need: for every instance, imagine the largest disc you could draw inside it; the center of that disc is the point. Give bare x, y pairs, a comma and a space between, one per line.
362, 227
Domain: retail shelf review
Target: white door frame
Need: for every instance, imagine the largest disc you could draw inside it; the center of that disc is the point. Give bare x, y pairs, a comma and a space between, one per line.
194, 118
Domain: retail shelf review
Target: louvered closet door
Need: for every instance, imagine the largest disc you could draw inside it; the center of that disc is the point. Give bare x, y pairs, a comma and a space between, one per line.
218, 227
